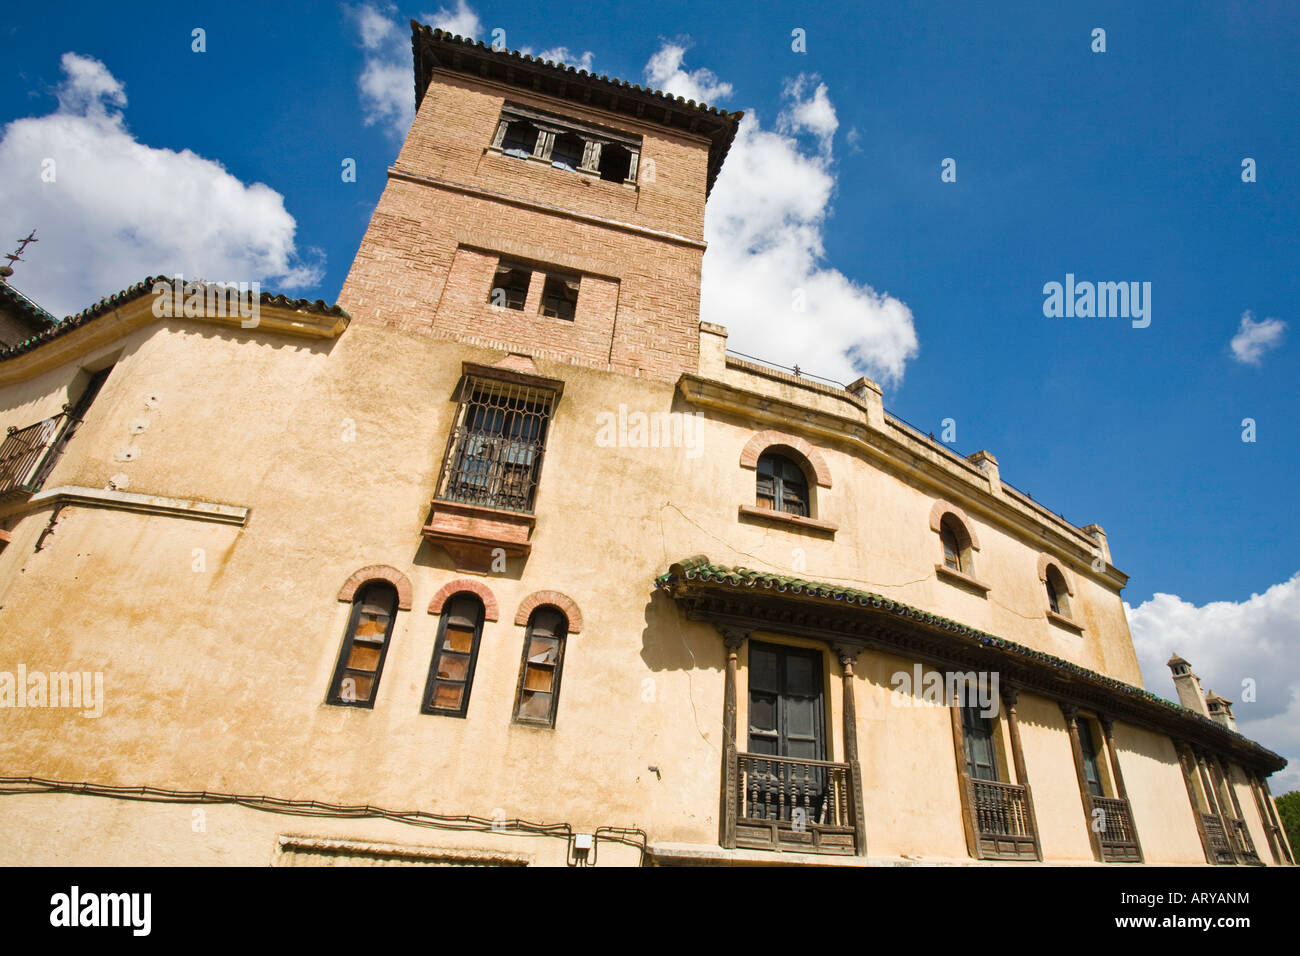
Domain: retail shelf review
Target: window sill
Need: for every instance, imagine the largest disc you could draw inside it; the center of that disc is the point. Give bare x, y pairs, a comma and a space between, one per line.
588, 175
961, 580
750, 513
1061, 620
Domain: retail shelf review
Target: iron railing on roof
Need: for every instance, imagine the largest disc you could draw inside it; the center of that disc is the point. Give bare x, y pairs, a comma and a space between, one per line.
794, 370
28, 454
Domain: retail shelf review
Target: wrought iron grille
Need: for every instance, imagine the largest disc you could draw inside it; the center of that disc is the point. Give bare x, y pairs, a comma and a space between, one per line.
494, 453
24, 461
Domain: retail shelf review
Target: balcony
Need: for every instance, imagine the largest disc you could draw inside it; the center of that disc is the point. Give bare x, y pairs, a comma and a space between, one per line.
1119, 843
1004, 824
787, 803
27, 455
1220, 848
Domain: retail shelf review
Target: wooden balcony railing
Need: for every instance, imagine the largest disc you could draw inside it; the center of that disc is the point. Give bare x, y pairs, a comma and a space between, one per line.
1242, 843
1220, 848
25, 457
787, 803
1003, 822
1119, 842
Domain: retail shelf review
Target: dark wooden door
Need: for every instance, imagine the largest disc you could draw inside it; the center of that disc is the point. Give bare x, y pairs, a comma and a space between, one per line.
787, 714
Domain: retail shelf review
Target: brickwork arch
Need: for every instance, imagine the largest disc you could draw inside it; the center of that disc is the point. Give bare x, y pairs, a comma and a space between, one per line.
1046, 561
379, 572
555, 599
811, 458
491, 610
941, 508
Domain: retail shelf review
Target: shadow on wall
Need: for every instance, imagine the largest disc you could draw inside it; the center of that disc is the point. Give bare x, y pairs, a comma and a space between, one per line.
669, 642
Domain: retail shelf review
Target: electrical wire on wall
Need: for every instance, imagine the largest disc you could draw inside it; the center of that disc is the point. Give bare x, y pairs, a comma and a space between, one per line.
317, 808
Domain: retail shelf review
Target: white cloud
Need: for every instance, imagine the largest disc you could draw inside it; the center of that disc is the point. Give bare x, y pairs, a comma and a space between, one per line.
813, 114
462, 21
1253, 338
386, 84
665, 72
1227, 643
119, 210
765, 275
561, 54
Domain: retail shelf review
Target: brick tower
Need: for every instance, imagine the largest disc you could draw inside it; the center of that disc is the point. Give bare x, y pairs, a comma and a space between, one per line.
540, 208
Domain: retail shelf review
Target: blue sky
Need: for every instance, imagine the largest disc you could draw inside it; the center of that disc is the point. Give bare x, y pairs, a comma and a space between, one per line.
1117, 166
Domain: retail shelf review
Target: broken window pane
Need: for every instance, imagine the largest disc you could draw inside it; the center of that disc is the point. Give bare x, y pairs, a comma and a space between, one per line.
560, 296
510, 286
520, 138
566, 151
615, 162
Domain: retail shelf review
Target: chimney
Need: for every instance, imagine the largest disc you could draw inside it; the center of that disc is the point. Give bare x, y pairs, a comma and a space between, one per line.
1220, 710
1188, 684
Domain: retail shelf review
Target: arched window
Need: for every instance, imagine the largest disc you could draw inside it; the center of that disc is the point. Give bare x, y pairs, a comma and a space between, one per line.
781, 485
1057, 591
451, 673
539, 672
365, 644
951, 545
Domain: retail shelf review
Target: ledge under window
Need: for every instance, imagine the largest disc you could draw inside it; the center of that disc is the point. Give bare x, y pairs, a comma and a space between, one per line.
962, 580
750, 513
1060, 620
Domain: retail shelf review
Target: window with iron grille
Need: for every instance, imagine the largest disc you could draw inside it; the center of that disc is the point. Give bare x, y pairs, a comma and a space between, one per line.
494, 453
28, 455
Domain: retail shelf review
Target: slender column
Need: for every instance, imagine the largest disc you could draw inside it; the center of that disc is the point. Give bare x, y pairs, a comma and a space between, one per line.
1213, 798
1282, 838
733, 638
1184, 764
1263, 817
964, 787
1112, 755
1226, 774
1010, 697
847, 654
1071, 713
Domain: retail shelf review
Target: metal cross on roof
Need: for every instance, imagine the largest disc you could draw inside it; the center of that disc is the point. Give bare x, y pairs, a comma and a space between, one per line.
22, 247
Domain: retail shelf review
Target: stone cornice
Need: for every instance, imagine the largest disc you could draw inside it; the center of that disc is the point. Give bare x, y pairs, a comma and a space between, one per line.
894, 449
193, 509
117, 323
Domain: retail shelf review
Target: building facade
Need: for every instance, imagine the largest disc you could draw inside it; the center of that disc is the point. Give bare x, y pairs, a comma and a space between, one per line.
504, 559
